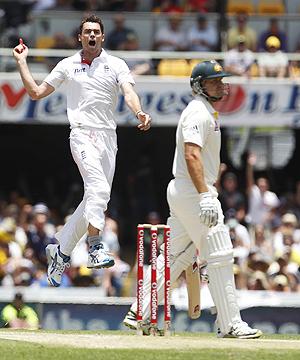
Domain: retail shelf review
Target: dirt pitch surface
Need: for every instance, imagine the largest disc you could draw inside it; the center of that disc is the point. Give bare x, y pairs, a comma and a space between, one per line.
111, 341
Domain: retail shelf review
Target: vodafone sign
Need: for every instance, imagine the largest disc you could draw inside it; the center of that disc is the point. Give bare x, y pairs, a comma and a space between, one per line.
257, 102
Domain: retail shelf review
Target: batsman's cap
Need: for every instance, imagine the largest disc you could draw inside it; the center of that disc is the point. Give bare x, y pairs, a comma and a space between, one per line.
273, 41
209, 69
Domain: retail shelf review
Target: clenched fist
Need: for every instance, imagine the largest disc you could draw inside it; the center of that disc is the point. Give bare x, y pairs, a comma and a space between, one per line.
20, 51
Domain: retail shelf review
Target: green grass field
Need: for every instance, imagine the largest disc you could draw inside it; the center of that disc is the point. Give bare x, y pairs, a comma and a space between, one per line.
113, 345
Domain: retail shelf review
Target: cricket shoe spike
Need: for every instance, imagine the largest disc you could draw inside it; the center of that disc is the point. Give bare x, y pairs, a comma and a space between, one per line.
240, 330
57, 262
99, 258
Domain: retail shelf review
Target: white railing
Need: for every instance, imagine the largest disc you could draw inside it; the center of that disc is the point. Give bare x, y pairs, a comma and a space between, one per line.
141, 54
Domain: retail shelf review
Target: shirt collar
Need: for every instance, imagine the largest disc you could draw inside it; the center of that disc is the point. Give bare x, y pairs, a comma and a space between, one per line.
210, 108
103, 55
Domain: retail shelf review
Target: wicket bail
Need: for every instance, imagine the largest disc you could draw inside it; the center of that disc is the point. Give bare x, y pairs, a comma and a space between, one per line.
140, 277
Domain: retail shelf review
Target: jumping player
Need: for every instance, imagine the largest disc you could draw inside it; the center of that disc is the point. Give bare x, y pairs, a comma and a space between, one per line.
92, 79
196, 218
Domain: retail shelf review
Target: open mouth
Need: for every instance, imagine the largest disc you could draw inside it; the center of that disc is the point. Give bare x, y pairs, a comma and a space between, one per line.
92, 42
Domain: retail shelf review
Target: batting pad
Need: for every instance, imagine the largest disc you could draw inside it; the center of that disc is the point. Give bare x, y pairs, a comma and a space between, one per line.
221, 279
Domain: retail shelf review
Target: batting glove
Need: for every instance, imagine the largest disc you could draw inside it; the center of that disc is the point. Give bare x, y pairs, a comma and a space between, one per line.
208, 210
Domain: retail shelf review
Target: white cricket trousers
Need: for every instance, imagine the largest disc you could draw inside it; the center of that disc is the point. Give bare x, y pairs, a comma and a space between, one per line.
94, 151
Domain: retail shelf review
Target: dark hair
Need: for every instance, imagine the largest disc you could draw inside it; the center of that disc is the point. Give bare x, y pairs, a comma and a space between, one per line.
93, 19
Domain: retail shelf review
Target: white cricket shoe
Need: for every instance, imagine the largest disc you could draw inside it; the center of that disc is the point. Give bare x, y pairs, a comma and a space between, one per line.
56, 264
99, 258
240, 330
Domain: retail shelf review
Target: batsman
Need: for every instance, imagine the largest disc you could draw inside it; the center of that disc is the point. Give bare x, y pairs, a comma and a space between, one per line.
196, 218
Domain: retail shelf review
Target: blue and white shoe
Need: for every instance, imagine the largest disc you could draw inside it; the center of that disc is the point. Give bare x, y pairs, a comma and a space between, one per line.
130, 320
99, 258
57, 262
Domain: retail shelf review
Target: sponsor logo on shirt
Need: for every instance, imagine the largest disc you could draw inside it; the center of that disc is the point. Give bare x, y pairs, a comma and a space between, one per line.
195, 129
83, 155
81, 70
106, 68
216, 116
217, 126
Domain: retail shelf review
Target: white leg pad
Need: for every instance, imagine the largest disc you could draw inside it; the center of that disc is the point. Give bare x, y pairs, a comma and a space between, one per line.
221, 279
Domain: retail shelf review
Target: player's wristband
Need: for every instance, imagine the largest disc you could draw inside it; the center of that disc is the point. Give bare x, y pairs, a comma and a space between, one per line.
137, 113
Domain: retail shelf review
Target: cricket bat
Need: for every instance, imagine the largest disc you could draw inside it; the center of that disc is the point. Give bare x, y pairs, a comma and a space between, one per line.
192, 276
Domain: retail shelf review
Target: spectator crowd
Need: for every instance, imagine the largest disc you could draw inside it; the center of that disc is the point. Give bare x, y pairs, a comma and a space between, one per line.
249, 52
264, 228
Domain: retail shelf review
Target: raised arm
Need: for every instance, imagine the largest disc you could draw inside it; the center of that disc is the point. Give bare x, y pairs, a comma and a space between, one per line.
251, 160
133, 102
34, 90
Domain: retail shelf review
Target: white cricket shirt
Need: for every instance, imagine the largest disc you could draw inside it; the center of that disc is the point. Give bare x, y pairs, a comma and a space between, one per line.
92, 90
199, 125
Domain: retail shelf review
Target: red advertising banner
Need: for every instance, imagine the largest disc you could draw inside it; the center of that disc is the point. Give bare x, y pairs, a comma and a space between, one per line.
260, 102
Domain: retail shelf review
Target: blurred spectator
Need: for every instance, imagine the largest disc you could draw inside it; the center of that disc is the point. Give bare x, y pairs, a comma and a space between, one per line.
240, 238
202, 36
117, 37
63, 5
273, 63
89, 5
294, 66
171, 6
41, 233
61, 41
258, 280
241, 28
262, 244
18, 315
120, 5
201, 6
238, 61
230, 196
273, 30
257, 261
261, 200
171, 37
280, 283
41, 5
23, 28
16, 12
136, 66
167, 6
288, 228
113, 278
